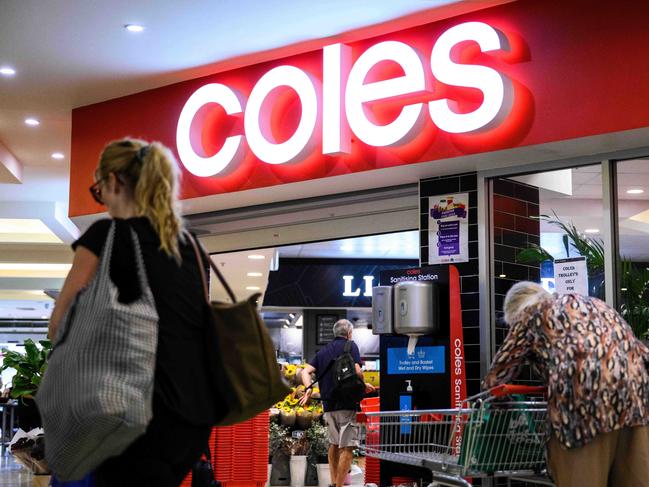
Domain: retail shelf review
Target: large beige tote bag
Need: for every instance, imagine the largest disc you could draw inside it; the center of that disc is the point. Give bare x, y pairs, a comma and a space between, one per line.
96, 396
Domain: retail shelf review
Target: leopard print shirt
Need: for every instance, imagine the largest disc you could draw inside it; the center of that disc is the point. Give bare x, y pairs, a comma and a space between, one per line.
595, 367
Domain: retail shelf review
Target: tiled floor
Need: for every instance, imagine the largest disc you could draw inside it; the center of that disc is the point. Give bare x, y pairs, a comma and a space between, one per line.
12, 474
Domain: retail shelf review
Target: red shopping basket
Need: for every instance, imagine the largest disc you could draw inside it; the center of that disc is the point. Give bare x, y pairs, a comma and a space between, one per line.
240, 453
372, 464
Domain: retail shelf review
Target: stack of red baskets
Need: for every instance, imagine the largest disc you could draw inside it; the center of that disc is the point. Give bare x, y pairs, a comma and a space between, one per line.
240, 453
372, 464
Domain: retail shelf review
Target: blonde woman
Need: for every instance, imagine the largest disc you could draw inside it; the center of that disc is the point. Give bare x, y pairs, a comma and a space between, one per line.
598, 385
138, 184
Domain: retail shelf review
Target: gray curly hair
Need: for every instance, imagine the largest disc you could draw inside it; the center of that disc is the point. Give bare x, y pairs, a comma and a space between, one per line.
342, 328
520, 296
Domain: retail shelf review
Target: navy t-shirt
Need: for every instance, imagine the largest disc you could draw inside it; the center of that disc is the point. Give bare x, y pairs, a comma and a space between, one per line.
320, 362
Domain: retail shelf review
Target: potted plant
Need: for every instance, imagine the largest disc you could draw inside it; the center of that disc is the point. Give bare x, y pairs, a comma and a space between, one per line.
29, 368
277, 442
591, 248
634, 284
298, 463
318, 438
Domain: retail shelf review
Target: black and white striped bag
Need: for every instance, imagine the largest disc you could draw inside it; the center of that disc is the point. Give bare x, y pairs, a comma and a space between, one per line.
96, 396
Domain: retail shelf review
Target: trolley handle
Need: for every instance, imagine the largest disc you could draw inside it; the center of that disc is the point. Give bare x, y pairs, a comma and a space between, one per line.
508, 389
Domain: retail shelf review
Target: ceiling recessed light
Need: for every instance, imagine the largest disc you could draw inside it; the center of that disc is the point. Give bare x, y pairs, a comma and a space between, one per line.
591, 230
635, 191
255, 274
57, 155
256, 257
134, 27
502, 275
252, 288
32, 122
7, 71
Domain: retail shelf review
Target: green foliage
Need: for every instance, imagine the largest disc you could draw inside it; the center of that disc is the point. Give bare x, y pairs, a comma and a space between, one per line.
634, 284
634, 281
592, 249
318, 437
29, 367
278, 438
533, 255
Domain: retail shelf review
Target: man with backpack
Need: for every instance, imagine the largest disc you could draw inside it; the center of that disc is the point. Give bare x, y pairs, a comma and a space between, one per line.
338, 370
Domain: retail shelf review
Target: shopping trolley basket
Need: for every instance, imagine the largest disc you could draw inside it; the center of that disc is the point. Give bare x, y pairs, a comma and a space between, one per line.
500, 433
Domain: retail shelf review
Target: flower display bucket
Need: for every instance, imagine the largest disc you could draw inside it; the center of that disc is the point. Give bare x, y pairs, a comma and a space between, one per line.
298, 470
324, 475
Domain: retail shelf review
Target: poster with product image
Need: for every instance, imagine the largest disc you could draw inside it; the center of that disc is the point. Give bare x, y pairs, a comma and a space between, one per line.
448, 228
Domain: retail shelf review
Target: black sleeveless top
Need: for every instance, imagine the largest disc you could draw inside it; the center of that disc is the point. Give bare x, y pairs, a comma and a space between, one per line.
181, 375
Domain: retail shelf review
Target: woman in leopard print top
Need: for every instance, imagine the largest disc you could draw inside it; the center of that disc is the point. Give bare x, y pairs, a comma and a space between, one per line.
598, 384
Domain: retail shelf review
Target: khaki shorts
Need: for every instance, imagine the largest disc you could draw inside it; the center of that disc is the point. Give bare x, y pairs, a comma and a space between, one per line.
343, 429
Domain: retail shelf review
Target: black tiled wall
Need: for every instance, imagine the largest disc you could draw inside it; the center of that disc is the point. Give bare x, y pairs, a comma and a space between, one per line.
515, 208
515, 205
439, 186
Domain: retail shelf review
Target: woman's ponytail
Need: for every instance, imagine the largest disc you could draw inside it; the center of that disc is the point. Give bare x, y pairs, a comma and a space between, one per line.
156, 195
151, 174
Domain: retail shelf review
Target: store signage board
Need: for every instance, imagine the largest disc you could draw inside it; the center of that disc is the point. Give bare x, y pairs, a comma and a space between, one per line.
571, 276
397, 94
425, 360
325, 328
337, 102
448, 229
327, 283
349, 292
344, 108
426, 273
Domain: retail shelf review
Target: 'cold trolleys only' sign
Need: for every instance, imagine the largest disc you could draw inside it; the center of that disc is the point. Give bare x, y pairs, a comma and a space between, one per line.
571, 276
334, 108
425, 360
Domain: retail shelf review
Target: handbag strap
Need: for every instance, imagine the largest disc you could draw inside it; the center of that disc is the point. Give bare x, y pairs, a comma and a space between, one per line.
319, 377
200, 251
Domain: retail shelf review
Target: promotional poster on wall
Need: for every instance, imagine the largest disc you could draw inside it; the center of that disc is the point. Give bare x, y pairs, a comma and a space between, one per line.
448, 223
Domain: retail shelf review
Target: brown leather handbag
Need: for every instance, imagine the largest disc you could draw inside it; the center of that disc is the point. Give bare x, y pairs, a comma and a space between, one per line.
245, 376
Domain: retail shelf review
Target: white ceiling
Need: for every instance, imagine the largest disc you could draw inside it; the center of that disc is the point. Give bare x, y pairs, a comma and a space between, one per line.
632, 174
234, 267
584, 208
402, 245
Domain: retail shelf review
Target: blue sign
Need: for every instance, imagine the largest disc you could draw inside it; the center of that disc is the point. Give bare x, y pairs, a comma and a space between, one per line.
405, 404
425, 360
